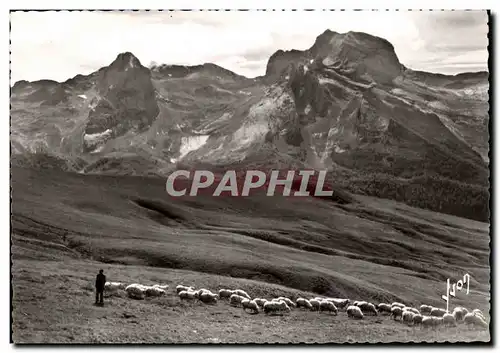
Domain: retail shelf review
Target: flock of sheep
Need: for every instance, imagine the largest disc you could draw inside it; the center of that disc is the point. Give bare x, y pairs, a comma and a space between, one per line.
426, 316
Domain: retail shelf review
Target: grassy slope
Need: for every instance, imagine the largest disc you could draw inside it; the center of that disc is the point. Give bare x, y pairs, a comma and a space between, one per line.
373, 249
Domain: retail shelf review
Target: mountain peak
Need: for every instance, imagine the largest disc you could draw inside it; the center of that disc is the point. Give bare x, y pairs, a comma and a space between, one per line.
126, 61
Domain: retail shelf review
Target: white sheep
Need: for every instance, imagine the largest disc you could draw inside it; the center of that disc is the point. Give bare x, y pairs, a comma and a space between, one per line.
360, 302
326, 305
384, 308
164, 286
354, 312
250, 304
235, 299
339, 303
260, 301
315, 304
413, 310
437, 320
459, 313
154, 292
398, 304
368, 308
408, 316
113, 287
425, 309
225, 293
303, 303
417, 319
188, 295
472, 319
180, 288
396, 312
136, 291
276, 307
288, 301
208, 297
427, 321
449, 320
437, 312
241, 293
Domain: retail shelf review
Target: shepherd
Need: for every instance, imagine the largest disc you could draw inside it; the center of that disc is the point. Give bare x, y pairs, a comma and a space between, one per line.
100, 280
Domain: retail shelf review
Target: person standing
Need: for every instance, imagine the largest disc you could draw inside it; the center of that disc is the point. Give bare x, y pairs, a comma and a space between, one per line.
99, 287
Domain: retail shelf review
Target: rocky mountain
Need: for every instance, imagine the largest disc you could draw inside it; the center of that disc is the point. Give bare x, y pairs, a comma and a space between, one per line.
346, 104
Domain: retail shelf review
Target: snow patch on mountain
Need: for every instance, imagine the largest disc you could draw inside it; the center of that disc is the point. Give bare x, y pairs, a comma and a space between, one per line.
191, 143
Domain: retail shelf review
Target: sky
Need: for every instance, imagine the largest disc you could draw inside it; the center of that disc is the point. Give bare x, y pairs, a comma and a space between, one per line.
60, 45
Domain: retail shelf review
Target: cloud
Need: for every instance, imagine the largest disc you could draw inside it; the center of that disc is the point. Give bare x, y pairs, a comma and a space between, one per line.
59, 45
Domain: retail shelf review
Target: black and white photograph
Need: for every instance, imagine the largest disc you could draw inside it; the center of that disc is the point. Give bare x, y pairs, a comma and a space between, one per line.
254, 176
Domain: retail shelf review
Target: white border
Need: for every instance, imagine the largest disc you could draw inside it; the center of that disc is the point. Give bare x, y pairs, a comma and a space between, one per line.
185, 4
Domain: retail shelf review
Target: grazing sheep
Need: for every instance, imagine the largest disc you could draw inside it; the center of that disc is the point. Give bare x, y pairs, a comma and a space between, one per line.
288, 301
303, 303
437, 320
225, 293
368, 308
154, 292
437, 312
260, 302
326, 305
449, 320
396, 312
413, 310
250, 304
136, 291
425, 309
242, 293
384, 308
459, 312
408, 316
235, 299
398, 304
354, 312
207, 297
315, 304
471, 319
180, 288
417, 319
427, 321
276, 307
113, 287
360, 303
339, 303
188, 295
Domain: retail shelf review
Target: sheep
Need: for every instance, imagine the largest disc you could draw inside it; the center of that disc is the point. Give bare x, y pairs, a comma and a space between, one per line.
408, 316
384, 308
180, 288
339, 303
478, 312
288, 301
164, 286
417, 319
235, 299
398, 304
208, 297
315, 304
189, 295
437, 312
413, 310
260, 302
241, 293
250, 304
326, 305
354, 312
449, 320
303, 303
437, 320
427, 321
113, 287
136, 291
368, 308
396, 312
276, 307
360, 302
472, 319
154, 292
225, 293
425, 309
459, 312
